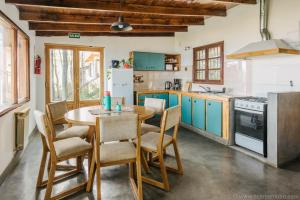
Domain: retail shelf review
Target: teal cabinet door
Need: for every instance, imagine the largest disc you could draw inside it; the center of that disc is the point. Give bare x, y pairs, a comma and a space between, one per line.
164, 96
146, 61
140, 58
214, 117
173, 100
199, 113
186, 110
156, 61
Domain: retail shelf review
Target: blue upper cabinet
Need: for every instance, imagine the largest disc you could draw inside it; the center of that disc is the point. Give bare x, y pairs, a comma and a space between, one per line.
146, 61
173, 100
214, 117
186, 110
199, 113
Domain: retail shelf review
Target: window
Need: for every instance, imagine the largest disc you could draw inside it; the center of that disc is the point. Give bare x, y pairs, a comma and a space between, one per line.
208, 66
14, 65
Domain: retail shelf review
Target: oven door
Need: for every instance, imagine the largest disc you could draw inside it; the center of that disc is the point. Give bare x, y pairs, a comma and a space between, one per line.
250, 123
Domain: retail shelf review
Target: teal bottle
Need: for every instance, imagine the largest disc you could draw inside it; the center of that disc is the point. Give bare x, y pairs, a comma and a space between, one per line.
118, 107
107, 101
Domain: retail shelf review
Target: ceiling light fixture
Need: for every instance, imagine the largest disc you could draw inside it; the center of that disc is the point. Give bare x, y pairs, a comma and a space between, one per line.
121, 25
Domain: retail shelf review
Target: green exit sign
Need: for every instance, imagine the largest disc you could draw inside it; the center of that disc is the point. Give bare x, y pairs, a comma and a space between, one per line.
74, 35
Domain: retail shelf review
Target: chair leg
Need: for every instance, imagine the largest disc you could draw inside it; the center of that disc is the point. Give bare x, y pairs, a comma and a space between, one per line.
49, 164
178, 160
131, 170
90, 155
91, 174
98, 174
79, 163
144, 162
42, 168
50, 180
139, 180
163, 171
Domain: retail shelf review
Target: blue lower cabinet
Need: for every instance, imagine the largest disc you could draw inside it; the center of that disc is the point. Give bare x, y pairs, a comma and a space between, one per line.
173, 100
214, 117
186, 110
142, 98
199, 113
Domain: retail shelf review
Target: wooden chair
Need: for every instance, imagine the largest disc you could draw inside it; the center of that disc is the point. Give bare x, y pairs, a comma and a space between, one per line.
110, 129
156, 143
56, 112
59, 151
158, 105
117, 100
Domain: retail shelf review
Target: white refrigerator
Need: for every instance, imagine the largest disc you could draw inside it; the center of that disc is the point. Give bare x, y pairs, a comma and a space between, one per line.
120, 84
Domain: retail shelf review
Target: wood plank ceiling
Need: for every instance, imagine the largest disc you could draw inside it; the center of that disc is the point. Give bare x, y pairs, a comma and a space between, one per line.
94, 17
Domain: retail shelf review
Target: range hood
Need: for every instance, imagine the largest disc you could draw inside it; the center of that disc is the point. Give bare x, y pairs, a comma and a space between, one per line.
267, 46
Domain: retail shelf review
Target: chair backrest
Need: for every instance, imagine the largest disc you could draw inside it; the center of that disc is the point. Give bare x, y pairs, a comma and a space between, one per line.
41, 122
57, 110
158, 105
171, 118
117, 100
118, 127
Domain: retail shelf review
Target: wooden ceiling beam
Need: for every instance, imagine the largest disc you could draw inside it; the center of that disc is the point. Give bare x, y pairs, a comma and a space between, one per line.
44, 26
125, 7
100, 19
122, 34
238, 1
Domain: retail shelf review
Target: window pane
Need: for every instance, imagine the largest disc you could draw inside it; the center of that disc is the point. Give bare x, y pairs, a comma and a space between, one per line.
61, 75
214, 52
22, 69
200, 75
6, 64
89, 84
214, 63
214, 75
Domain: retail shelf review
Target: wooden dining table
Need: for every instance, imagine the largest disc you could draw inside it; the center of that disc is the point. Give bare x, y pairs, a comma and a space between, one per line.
83, 116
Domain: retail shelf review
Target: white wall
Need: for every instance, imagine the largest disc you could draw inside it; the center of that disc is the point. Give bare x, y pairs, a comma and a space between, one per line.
240, 27
7, 122
115, 48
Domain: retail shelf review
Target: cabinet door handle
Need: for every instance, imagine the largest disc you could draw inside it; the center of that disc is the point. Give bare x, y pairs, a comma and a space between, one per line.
194, 101
209, 104
189, 100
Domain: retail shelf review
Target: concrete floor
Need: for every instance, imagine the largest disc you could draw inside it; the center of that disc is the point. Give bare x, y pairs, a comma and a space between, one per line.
211, 171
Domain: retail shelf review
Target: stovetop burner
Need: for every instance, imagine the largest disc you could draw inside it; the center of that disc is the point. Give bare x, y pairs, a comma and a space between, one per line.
251, 103
255, 99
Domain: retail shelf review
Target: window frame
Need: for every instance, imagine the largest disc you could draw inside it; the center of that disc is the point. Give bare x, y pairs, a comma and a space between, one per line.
206, 49
16, 103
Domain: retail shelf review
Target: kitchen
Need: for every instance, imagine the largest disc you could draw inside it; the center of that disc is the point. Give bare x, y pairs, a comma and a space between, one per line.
235, 77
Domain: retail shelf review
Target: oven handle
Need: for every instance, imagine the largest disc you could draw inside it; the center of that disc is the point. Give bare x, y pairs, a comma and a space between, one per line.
249, 111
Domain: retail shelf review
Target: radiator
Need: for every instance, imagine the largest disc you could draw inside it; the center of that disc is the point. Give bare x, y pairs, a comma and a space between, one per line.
21, 127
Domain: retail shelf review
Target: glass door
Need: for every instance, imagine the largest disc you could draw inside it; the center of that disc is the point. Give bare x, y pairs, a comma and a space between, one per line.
74, 74
89, 77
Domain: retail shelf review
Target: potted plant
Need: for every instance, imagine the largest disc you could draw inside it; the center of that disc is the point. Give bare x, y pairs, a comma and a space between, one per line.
127, 64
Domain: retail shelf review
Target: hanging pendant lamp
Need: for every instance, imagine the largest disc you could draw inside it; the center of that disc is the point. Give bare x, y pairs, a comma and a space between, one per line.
121, 25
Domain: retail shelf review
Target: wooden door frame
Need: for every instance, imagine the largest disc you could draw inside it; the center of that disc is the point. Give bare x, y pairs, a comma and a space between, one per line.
76, 48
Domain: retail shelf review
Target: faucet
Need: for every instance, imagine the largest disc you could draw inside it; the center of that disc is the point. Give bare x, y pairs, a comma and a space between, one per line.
206, 89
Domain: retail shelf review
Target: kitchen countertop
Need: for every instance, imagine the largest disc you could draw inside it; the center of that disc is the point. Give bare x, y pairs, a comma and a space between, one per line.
212, 96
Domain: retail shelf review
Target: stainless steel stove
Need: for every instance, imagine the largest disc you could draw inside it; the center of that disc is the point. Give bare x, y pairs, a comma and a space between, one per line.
251, 123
